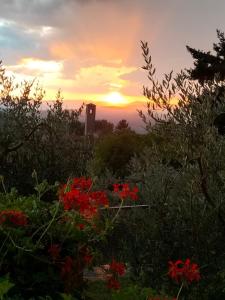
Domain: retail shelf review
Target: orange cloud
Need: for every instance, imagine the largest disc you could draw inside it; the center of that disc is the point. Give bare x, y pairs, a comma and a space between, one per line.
61, 50
89, 52
96, 34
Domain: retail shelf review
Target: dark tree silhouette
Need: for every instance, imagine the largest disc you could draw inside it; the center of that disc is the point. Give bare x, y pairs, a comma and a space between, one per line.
207, 65
122, 125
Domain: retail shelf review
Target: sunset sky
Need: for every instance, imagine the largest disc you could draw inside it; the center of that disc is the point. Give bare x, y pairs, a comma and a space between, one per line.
90, 49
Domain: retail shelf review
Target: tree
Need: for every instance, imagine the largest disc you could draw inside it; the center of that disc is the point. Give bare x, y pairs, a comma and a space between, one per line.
103, 127
113, 152
123, 126
51, 145
207, 65
186, 215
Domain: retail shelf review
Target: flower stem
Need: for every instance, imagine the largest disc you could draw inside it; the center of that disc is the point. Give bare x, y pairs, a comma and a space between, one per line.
178, 294
118, 211
3, 184
49, 225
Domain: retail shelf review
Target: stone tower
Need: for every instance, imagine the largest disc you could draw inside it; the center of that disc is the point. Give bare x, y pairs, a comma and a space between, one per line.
90, 119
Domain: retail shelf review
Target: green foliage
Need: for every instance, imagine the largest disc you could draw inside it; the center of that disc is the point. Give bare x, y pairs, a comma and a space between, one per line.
98, 291
67, 297
179, 167
31, 140
47, 245
181, 176
24, 249
182, 179
5, 286
114, 152
133, 292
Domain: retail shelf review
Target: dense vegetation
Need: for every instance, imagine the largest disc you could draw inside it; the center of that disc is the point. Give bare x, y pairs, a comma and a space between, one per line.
171, 181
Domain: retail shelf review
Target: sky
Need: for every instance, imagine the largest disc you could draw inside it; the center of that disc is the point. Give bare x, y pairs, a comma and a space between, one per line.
90, 49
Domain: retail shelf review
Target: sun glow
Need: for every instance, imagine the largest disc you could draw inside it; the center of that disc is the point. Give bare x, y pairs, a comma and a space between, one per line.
115, 99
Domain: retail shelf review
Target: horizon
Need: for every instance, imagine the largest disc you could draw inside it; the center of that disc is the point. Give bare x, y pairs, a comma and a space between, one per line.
105, 113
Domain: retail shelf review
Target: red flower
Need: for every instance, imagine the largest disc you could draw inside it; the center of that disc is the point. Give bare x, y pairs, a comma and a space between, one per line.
116, 187
79, 198
86, 255
15, 217
191, 271
87, 258
117, 267
54, 251
133, 193
124, 191
99, 198
67, 266
114, 270
68, 199
184, 271
82, 183
80, 226
112, 283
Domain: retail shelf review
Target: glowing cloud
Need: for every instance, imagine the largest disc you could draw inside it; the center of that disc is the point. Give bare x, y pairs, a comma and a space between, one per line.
47, 66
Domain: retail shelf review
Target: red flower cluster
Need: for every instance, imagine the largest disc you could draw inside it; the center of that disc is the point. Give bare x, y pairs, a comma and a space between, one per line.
124, 191
67, 264
80, 198
113, 284
184, 271
15, 217
115, 269
81, 183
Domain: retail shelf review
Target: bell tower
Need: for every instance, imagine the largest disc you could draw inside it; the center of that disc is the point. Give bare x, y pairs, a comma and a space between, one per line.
90, 119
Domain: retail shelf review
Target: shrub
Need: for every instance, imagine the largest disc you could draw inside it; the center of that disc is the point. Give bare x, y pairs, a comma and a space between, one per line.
46, 245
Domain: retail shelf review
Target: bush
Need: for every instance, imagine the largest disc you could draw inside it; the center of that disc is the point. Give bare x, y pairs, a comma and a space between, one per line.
31, 139
114, 152
46, 245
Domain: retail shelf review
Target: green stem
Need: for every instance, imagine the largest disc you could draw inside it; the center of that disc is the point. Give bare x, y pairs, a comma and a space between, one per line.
178, 294
41, 227
3, 184
12, 241
49, 225
3, 244
109, 225
34, 175
118, 211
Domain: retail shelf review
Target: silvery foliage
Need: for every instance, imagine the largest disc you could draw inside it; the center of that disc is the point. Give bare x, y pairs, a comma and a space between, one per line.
182, 175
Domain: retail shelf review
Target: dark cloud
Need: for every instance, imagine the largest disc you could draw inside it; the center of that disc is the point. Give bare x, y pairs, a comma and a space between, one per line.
33, 12
17, 42
13, 37
42, 12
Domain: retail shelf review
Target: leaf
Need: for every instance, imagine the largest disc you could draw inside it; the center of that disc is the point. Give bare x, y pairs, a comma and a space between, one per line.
5, 286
